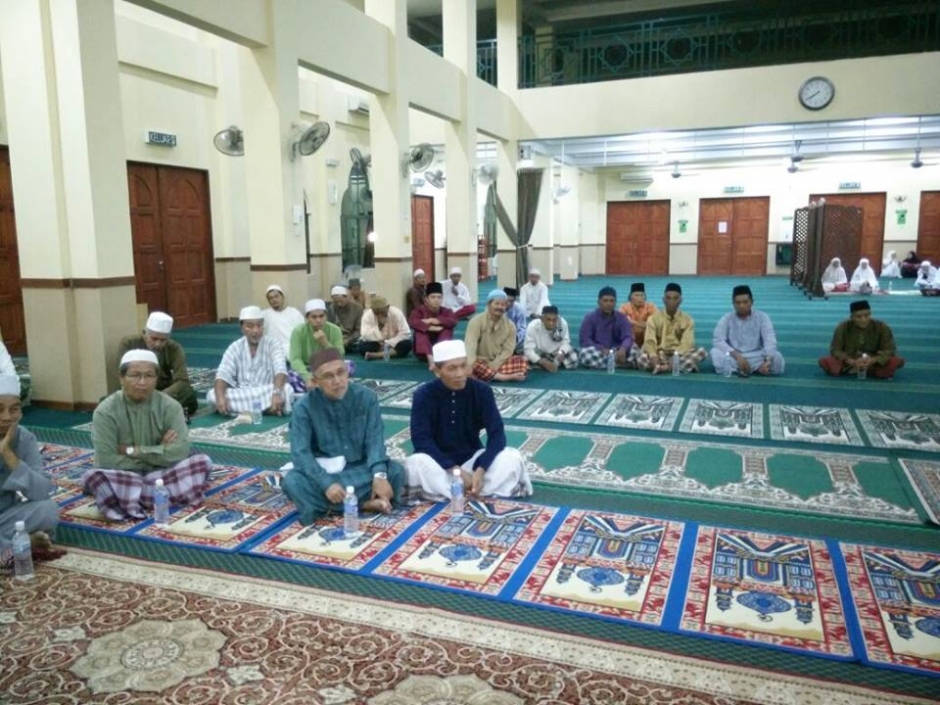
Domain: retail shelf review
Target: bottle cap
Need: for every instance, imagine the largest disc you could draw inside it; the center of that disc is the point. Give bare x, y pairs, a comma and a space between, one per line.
350, 489
19, 526
456, 472
158, 483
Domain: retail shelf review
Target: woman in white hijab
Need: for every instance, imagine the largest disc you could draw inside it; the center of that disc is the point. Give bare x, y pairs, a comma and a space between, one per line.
833, 276
927, 276
890, 269
864, 280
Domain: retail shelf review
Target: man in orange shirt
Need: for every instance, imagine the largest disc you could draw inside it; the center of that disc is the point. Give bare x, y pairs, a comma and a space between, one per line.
638, 310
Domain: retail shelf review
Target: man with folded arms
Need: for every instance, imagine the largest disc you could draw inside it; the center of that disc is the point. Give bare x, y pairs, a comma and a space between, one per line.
431, 322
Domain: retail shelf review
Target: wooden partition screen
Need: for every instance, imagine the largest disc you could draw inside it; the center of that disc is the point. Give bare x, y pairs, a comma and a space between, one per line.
821, 232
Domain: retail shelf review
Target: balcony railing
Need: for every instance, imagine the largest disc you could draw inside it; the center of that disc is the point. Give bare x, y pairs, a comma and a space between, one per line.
486, 59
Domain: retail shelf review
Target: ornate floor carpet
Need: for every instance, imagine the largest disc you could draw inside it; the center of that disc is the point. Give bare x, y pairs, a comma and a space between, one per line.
95, 628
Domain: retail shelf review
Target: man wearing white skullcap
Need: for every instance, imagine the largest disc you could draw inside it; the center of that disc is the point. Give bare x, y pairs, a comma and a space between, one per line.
533, 296
24, 486
253, 371
457, 295
279, 318
314, 335
347, 315
447, 416
173, 375
415, 295
140, 436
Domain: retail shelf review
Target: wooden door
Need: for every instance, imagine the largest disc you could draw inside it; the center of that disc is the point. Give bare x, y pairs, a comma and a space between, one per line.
638, 237
928, 229
872, 206
172, 236
422, 234
732, 236
12, 319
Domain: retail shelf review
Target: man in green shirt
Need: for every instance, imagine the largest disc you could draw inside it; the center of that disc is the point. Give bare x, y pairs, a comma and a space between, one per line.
172, 375
862, 342
316, 334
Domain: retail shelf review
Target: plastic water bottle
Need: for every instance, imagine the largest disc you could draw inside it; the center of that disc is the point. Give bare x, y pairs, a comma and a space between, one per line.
890, 285
161, 504
675, 364
456, 493
863, 371
611, 362
256, 412
22, 553
350, 513
386, 352
728, 368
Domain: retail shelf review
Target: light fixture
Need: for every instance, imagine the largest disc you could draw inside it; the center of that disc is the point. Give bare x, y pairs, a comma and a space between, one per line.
675, 170
794, 166
372, 237
916, 162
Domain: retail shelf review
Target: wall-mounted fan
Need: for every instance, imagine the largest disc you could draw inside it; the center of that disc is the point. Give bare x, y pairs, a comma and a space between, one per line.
309, 140
230, 141
435, 178
417, 159
488, 173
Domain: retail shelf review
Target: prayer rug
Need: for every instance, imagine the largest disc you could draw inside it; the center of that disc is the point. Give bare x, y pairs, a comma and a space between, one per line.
229, 519
811, 424
218, 639
897, 429
896, 594
84, 512
202, 379
324, 543
386, 389
648, 413
565, 407
478, 551
509, 400
724, 418
924, 476
766, 589
65, 466
271, 435
610, 565
54, 454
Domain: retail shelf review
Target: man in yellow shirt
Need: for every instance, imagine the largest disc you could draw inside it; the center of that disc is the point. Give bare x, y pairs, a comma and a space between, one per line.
670, 332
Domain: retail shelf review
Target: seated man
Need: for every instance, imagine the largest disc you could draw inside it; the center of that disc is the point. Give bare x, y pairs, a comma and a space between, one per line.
431, 322
457, 295
605, 330
315, 335
516, 314
280, 319
744, 341
638, 310
24, 486
383, 325
140, 436
447, 417
533, 296
415, 296
927, 277
491, 343
861, 335
668, 332
547, 342
336, 440
173, 376
357, 294
347, 315
253, 370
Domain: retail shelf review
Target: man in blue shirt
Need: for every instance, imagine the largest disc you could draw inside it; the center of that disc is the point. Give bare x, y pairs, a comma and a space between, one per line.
744, 342
604, 330
447, 416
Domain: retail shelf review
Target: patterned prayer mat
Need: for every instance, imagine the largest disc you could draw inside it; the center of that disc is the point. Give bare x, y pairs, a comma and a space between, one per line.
897, 599
222, 640
813, 425
229, 519
766, 589
648, 413
84, 512
271, 434
388, 389
479, 550
611, 565
202, 378
896, 429
724, 418
324, 543
924, 476
566, 407
509, 400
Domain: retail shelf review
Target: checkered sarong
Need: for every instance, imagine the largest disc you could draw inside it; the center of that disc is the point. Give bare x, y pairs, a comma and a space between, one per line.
688, 362
123, 494
569, 360
591, 357
513, 365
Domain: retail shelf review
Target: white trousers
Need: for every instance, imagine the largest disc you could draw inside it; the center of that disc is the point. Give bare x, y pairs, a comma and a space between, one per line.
505, 477
240, 399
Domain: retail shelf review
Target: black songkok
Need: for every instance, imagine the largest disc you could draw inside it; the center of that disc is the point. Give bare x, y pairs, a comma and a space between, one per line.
859, 306
742, 290
549, 309
638, 286
514, 293
433, 288
672, 286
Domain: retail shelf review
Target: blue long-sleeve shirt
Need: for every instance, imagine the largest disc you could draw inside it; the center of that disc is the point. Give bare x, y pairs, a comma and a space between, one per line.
446, 424
516, 314
612, 331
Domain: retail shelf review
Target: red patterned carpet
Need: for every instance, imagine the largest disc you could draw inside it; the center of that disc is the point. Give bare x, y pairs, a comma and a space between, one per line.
95, 628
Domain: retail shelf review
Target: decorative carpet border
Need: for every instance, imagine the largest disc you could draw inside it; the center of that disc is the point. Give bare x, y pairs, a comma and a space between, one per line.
668, 670
924, 476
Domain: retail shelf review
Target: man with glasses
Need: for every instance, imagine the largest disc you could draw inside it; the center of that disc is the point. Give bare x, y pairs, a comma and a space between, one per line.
140, 436
337, 441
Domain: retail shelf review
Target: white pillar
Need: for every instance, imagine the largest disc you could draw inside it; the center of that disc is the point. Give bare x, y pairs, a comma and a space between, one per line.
507, 186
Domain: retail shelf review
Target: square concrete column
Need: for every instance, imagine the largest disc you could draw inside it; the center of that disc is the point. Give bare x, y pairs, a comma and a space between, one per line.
507, 186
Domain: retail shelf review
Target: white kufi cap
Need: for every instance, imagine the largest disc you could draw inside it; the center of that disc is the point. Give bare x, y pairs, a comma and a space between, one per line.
535, 271
250, 313
273, 287
449, 350
159, 322
456, 270
314, 305
139, 356
339, 291
418, 273
9, 386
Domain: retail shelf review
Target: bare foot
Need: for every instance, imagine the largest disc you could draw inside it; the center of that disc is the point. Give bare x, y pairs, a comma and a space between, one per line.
382, 506
515, 377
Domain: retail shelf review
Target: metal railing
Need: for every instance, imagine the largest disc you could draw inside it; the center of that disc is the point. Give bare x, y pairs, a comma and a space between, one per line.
486, 59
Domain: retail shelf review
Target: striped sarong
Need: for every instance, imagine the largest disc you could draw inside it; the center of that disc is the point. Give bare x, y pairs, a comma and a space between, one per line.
514, 365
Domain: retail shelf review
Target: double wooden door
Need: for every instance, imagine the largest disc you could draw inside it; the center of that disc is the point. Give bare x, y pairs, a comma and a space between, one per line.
872, 206
172, 235
12, 319
422, 234
732, 235
928, 228
637, 237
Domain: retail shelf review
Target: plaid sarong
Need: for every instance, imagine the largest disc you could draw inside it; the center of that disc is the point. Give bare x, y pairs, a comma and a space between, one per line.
569, 360
122, 494
514, 365
688, 362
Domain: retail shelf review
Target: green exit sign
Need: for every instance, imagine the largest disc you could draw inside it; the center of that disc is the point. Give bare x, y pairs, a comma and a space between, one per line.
734, 189
638, 193
849, 185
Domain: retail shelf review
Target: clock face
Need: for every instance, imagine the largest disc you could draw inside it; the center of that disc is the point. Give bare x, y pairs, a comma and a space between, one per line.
816, 93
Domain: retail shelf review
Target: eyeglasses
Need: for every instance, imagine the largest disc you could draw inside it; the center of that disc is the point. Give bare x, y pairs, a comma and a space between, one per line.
138, 376
333, 377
